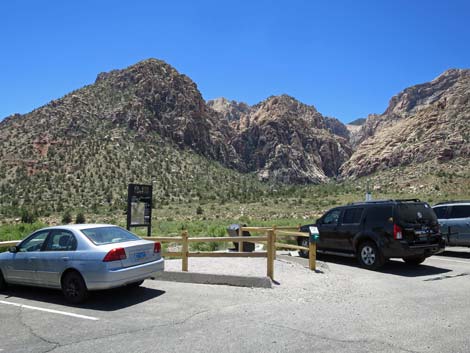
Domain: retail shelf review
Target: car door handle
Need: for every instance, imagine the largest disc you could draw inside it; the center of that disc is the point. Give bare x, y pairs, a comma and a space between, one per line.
65, 258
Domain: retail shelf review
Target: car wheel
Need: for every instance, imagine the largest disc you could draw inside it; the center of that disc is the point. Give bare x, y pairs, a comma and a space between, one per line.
3, 284
414, 260
303, 242
74, 288
369, 256
135, 284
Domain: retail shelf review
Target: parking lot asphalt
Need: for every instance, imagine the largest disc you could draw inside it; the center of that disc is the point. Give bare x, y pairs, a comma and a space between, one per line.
339, 308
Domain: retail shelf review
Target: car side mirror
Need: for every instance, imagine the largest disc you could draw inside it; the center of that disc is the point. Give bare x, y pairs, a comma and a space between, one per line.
13, 249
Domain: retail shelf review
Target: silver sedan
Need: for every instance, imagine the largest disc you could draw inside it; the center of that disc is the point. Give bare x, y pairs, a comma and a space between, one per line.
81, 258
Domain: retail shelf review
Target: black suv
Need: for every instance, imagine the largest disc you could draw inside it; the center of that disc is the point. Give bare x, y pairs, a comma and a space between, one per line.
375, 231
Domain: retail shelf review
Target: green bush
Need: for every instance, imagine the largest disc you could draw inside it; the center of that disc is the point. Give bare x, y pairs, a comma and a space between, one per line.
28, 216
80, 219
67, 218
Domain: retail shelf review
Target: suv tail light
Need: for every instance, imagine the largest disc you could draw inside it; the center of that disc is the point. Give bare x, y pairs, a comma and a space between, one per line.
115, 255
397, 232
157, 247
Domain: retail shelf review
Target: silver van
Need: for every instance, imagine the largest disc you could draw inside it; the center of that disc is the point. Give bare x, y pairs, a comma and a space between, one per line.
454, 220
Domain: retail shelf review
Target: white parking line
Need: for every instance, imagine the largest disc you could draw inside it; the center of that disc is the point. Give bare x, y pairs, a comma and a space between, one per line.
442, 259
50, 311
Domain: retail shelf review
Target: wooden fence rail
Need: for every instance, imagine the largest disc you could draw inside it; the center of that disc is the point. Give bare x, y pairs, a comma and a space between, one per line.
269, 240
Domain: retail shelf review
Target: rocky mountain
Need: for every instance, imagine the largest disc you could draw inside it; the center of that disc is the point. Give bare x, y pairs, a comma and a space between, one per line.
149, 123
357, 122
337, 127
232, 110
287, 141
141, 124
430, 121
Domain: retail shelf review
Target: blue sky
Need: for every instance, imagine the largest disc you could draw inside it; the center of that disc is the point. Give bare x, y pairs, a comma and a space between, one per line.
347, 58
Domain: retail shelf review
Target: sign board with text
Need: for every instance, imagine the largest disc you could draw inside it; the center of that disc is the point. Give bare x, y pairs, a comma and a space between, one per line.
139, 206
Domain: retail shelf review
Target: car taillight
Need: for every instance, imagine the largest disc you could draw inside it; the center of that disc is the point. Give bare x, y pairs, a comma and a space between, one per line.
115, 255
397, 232
157, 247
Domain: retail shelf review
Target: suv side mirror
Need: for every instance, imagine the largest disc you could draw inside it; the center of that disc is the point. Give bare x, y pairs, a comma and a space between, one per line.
13, 249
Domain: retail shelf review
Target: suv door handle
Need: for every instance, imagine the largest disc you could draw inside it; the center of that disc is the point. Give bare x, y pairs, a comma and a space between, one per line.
65, 258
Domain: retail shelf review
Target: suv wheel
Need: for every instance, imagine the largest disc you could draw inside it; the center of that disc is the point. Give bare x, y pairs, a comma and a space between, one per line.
369, 256
303, 242
74, 288
414, 260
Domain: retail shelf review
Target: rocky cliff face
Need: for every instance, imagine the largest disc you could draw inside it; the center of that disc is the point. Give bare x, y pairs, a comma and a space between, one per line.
232, 110
148, 122
287, 141
337, 127
430, 121
147, 98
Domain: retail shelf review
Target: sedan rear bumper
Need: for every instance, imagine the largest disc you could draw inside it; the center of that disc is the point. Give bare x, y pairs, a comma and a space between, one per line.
123, 276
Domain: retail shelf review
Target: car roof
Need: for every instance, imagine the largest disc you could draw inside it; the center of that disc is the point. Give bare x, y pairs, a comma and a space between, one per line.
382, 202
456, 202
79, 226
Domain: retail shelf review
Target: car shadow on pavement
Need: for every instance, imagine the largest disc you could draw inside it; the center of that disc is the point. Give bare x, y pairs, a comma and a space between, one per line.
457, 254
106, 300
393, 267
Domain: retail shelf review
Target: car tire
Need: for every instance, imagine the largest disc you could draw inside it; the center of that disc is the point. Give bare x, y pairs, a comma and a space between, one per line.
369, 256
135, 284
414, 260
3, 284
302, 241
74, 288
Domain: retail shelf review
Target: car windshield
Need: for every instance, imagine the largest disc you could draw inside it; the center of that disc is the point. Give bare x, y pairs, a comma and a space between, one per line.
108, 235
416, 213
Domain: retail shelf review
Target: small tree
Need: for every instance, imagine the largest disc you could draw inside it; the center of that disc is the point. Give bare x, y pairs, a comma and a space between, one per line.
80, 218
28, 216
199, 210
67, 218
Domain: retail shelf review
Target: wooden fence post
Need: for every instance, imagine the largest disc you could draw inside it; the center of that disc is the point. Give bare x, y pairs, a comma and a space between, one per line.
240, 244
312, 255
274, 242
271, 249
184, 251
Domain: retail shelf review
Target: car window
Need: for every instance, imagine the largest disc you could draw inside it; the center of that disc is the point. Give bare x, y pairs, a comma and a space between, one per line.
352, 216
441, 212
462, 211
34, 242
416, 213
60, 240
108, 235
332, 217
379, 215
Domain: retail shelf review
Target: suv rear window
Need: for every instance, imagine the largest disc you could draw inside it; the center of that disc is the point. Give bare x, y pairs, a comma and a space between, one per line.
108, 235
460, 211
416, 213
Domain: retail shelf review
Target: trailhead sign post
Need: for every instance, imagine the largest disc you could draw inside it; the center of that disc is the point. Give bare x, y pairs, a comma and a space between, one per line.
139, 207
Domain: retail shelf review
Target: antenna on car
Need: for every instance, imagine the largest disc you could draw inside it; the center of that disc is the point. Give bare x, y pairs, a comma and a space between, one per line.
368, 194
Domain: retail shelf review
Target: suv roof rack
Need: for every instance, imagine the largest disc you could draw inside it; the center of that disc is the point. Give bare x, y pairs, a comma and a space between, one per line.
408, 200
383, 201
452, 201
